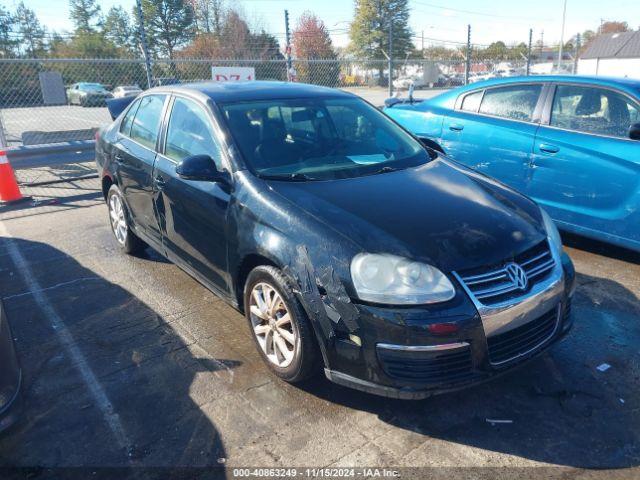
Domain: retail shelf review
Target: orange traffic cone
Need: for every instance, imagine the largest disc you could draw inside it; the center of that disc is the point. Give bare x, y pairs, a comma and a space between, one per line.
9, 190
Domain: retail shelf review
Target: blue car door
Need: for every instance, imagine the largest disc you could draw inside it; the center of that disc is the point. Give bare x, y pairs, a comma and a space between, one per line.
492, 130
585, 169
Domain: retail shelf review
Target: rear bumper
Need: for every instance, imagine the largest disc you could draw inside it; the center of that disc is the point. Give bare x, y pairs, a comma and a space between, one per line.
400, 358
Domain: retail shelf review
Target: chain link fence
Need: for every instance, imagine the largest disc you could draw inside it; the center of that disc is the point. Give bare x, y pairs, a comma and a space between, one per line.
39, 105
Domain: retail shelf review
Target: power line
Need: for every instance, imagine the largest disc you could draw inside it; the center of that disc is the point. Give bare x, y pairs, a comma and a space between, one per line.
472, 12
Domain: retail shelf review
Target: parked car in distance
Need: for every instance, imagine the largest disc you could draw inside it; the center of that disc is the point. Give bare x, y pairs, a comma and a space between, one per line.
568, 142
165, 81
10, 376
126, 91
88, 94
347, 244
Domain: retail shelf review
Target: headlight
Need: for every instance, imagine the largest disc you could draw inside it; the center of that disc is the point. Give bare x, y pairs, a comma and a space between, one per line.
398, 281
552, 232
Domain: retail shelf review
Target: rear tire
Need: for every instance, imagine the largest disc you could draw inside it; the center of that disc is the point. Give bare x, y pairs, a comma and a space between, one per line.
279, 325
119, 220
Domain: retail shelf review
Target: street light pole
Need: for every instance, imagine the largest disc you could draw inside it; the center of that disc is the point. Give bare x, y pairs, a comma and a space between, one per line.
564, 17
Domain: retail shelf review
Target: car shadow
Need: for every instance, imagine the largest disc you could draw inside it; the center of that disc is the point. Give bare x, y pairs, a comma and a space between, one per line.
107, 381
600, 248
557, 408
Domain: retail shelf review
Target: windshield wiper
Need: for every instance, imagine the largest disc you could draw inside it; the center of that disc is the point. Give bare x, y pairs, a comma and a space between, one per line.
385, 169
293, 177
300, 177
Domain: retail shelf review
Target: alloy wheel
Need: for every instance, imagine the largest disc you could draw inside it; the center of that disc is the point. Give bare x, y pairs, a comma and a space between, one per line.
118, 220
272, 325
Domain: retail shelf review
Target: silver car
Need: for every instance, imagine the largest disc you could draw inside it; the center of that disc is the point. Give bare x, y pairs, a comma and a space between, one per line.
126, 91
88, 94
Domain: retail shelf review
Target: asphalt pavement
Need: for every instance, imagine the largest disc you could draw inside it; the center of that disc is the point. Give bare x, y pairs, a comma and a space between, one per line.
129, 362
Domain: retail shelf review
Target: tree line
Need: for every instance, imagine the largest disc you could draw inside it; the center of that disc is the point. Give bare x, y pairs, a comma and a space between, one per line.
213, 29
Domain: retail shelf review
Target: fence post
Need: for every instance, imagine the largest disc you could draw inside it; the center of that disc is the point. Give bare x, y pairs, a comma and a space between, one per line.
529, 51
143, 44
467, 63
390, 58
3, 138
288, 47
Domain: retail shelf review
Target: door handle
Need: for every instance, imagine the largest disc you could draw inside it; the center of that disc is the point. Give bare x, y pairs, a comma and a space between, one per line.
159, 182
546, 148
456, 127
118, 158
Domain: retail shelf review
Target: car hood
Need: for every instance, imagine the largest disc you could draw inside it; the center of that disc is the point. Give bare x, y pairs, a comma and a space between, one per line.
440, 212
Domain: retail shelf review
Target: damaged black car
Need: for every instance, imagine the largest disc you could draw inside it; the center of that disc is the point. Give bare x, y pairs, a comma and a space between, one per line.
349, 246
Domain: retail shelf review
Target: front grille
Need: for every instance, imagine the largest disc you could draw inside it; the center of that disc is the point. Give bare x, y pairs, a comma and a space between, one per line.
524, 339
448, 366
490, 285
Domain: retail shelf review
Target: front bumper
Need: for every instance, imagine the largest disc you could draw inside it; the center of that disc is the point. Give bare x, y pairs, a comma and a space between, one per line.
396, 353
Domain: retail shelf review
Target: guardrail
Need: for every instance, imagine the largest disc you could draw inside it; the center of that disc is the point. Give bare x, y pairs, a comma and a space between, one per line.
53, 163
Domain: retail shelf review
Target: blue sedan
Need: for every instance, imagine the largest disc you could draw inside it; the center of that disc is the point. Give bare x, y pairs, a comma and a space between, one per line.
569, 142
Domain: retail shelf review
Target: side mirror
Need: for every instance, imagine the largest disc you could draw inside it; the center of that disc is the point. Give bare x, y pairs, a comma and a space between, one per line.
634, 131
202, 168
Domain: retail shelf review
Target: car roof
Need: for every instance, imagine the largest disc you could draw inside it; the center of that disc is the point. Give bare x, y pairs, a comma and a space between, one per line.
254, 90
627, 82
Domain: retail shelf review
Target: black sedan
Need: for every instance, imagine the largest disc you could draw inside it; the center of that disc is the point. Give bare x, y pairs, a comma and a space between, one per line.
346, 243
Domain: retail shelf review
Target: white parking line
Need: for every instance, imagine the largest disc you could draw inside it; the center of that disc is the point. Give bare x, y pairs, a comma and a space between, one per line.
66, 339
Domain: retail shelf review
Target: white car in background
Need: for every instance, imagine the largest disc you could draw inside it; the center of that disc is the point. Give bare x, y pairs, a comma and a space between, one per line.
126, 91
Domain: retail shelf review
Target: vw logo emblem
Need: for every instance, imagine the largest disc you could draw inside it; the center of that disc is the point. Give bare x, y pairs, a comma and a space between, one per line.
517, 275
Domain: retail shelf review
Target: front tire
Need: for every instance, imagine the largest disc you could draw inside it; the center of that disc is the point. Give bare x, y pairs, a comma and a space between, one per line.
119, 221
279, 325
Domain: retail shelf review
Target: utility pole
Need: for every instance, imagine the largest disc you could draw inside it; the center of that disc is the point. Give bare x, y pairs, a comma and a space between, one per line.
467, 64
529, 51
575, 54
143, 43
390, 58
564, 16
422, 43
288, 47
541, 43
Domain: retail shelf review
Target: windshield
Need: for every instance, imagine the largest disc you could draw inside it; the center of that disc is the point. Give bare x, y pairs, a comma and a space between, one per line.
319, 139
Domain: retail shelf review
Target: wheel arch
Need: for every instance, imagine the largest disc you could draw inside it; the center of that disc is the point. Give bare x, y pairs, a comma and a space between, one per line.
245, 266
107, 181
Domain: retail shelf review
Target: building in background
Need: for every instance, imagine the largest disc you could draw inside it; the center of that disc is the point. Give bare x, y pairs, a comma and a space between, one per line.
614, 55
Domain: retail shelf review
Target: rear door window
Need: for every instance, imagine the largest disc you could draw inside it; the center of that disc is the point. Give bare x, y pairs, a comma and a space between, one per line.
593, 110
146, 123
127, 121
516, 102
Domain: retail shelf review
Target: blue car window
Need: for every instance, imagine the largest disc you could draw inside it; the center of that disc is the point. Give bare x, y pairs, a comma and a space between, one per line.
516, 102
471, 101
593, 110
146, 123
190, 133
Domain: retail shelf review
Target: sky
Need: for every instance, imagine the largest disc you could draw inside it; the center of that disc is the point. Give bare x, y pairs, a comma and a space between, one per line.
490, 20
